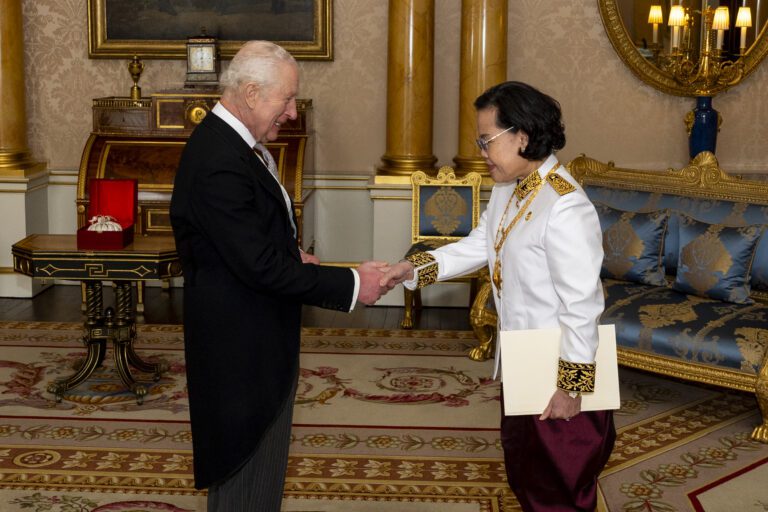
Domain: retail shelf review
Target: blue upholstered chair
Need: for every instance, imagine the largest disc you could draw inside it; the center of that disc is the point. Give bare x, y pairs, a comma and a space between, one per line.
445, 209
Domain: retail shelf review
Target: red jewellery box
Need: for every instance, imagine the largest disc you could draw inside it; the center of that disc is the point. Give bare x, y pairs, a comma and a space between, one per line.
118, 199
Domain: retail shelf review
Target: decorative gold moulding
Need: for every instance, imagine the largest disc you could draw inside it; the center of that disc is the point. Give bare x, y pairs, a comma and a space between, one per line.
470, 164
405, 165
18, 164
658, 78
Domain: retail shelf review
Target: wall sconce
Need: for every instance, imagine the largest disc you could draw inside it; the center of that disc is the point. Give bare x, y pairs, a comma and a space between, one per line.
743, 21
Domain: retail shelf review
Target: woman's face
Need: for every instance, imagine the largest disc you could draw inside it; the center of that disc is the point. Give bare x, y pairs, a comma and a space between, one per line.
503, 155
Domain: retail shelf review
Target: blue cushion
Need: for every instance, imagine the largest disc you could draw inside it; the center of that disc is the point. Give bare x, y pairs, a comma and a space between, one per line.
714, 261
729, 213
633, 244
665, 322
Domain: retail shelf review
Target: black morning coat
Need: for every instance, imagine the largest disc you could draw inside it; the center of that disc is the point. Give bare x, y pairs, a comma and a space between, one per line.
244, 284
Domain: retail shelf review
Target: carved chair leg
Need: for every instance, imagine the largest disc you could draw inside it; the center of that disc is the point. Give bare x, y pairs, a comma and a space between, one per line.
407, 322
760, 433
483, 318
486, 335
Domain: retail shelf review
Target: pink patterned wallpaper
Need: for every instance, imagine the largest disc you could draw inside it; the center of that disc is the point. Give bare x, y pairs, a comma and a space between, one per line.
558, 45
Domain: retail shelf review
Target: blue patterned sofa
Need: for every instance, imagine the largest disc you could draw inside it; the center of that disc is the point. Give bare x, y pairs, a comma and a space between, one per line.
686, 271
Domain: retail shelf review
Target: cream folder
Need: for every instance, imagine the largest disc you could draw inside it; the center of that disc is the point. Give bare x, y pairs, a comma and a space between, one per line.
529, 370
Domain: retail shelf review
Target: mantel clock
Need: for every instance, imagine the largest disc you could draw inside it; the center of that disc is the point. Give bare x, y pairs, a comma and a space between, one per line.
202, 61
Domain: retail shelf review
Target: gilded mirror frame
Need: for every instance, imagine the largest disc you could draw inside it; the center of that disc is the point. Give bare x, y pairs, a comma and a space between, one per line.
649, 73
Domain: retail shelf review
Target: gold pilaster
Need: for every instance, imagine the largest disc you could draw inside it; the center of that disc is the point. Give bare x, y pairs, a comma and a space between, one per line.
483, 64
15, 159
410, 77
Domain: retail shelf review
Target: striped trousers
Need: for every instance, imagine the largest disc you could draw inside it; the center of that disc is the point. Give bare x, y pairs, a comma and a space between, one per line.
258, 485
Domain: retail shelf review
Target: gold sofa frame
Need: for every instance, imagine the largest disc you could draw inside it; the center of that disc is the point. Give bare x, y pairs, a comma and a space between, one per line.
703, 178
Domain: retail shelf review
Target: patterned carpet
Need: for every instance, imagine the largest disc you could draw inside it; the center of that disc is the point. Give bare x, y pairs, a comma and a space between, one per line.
385, 421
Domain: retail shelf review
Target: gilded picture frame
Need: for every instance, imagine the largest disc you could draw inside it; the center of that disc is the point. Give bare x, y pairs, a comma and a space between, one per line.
158, 29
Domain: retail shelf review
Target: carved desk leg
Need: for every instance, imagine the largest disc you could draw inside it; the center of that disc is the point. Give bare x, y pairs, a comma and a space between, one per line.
124, 334
94, 339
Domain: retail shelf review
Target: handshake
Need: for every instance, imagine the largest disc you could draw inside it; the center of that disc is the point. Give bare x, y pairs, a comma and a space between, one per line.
378, 277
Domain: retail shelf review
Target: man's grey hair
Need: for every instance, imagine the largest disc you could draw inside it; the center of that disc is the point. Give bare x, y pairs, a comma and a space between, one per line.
256, 61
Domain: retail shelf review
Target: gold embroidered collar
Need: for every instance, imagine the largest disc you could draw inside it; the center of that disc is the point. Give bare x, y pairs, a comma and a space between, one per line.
527, 184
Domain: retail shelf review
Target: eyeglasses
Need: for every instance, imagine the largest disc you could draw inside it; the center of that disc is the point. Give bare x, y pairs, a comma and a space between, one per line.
483, 143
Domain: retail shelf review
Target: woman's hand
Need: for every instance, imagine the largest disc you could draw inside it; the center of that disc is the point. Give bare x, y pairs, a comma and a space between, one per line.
396, 274
561, 406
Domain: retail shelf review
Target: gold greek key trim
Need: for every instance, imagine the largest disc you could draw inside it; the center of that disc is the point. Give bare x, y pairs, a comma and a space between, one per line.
425, 266
576, 376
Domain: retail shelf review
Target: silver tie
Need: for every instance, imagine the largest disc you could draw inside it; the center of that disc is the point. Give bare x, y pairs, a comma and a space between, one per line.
266, 157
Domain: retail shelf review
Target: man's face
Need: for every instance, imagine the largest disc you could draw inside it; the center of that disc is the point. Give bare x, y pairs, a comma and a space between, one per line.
274, 105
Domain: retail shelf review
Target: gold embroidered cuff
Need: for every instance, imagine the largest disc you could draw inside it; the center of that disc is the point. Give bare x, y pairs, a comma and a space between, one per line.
425, 266
576, 376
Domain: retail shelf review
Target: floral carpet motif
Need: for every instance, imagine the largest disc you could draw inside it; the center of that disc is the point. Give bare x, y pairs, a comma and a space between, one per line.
385, 421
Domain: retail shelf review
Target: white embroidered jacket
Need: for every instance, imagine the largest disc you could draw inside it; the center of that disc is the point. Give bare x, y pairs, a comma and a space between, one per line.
550, 264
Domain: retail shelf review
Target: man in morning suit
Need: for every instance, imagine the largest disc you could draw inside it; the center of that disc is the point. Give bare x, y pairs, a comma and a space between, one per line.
245, 280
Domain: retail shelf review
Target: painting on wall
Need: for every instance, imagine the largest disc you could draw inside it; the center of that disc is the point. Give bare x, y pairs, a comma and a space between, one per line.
159, 28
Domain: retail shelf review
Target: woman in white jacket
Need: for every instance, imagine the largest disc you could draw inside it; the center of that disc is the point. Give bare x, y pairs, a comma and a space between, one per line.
541, 240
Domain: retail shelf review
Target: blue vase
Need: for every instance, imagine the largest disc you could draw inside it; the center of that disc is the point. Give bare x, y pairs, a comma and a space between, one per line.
704, 130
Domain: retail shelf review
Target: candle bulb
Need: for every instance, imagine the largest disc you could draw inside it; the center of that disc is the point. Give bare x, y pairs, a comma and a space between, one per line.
676, 20
654, 18
720, 24
743, 21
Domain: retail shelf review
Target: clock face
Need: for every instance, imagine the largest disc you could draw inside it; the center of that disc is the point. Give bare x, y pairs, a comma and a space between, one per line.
201, 59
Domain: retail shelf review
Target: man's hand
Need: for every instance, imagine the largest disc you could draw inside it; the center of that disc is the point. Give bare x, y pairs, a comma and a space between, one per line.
371, 273
396, 274
309, 258
561, 406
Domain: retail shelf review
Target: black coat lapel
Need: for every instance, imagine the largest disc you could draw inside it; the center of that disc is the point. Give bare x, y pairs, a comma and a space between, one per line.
260, 170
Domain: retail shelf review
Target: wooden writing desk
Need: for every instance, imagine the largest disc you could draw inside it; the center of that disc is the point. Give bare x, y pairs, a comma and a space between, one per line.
147, 258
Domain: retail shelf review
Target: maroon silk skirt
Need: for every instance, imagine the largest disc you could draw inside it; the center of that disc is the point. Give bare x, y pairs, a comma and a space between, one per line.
553, 465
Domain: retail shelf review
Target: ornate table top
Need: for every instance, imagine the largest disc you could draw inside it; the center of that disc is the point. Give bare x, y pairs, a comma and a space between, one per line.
57, 256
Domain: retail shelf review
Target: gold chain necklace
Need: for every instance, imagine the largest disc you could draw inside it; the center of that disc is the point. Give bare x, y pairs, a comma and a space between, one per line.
502, 232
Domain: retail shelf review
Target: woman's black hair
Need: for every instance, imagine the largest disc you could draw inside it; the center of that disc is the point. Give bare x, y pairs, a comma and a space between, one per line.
528, 109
